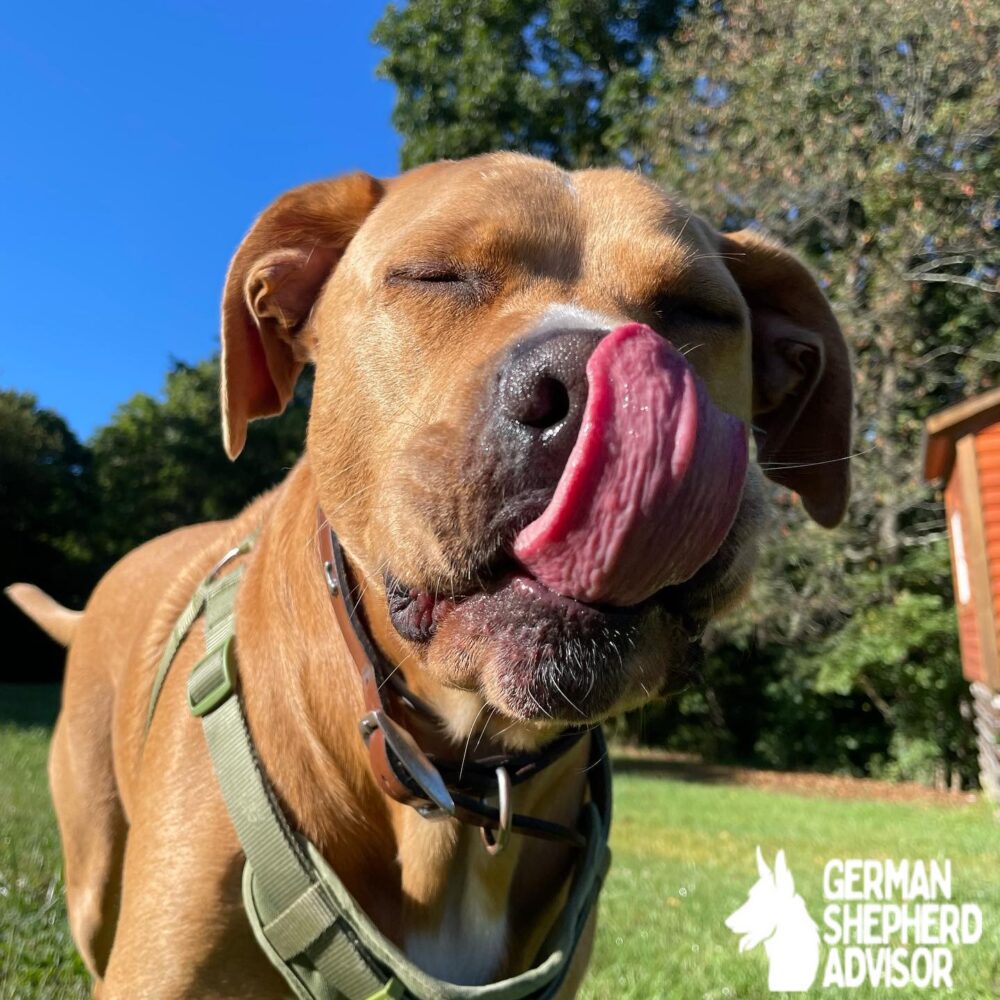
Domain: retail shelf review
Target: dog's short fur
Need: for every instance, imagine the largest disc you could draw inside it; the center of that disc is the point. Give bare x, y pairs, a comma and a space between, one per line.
404, 293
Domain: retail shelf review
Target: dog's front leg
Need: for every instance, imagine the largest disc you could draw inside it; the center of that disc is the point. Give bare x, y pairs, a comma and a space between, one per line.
182, 933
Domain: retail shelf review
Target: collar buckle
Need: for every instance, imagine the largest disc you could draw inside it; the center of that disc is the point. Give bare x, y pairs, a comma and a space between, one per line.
405, 754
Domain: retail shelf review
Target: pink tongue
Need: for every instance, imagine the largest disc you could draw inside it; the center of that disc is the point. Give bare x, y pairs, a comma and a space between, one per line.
652, 484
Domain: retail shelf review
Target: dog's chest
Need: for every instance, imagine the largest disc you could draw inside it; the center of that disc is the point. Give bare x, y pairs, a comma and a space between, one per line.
462, 937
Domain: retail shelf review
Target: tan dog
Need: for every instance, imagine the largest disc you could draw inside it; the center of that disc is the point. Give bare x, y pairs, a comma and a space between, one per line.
420, 300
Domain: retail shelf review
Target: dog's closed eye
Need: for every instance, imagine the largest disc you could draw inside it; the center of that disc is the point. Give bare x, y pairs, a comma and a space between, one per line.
441, 277
673, 309
427, 272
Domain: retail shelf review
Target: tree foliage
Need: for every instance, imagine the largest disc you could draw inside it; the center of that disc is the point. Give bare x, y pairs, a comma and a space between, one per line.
865, 137
69, 510
46, 511
549, 77
159, 464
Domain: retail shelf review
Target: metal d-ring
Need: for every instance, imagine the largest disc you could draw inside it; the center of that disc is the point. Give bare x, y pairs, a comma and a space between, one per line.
332, 583
236, 550
496, 842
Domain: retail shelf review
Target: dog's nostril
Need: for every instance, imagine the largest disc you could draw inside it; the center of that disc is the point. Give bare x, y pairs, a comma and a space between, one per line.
545, 405
537, 399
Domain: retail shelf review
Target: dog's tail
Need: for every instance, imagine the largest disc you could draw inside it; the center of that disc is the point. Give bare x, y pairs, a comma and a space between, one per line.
47, 614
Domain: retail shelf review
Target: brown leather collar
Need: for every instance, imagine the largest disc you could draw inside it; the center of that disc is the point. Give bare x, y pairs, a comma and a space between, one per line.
432, 786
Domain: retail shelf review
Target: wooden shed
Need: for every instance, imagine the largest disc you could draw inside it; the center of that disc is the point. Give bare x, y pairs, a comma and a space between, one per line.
962, 451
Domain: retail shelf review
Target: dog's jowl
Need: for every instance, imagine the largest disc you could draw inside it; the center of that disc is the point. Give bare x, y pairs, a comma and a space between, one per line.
545, 406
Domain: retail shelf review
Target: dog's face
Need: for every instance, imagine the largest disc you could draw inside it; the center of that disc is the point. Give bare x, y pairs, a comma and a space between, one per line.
533, 396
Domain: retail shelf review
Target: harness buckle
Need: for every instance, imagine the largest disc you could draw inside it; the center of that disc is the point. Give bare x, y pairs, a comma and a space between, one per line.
213, 680
496, 842
392, 990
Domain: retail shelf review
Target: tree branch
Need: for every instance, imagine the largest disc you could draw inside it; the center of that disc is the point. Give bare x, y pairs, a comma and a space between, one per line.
953, 279
885, 709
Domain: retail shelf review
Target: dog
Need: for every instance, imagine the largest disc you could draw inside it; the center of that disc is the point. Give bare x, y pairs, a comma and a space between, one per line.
775, 914
534, 394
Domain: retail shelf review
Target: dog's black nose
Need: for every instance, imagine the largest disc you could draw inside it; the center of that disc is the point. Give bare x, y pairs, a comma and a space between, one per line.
537, 405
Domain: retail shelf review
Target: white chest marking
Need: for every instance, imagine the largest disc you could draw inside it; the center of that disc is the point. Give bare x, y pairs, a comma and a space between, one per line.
469, 942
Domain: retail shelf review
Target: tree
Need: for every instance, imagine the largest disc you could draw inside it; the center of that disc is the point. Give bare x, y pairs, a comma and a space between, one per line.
557, 78
160, 465
68, 511
866, 137
46, 511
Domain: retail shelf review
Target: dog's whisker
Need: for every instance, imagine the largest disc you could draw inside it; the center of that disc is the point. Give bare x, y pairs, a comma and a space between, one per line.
715, 256
534, 700
594, 763
468, 739
368, 582
486, 725
507, 729
385, 680
567, 699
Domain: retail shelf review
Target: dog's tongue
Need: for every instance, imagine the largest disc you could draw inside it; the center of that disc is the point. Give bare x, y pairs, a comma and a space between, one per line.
653, 482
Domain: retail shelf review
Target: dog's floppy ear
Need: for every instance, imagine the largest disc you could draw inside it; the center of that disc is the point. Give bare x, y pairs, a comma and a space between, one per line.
272, 283
802, 383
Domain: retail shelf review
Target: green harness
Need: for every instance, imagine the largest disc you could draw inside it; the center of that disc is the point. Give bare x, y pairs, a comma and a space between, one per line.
310, 928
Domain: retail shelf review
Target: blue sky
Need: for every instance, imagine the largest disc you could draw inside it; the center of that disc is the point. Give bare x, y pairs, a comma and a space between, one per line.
139, 141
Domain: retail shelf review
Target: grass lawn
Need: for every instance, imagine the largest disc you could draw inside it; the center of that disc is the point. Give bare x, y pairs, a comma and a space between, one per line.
683, 860
36, 952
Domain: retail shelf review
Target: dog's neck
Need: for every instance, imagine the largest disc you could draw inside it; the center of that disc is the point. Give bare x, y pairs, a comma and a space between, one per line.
430, 886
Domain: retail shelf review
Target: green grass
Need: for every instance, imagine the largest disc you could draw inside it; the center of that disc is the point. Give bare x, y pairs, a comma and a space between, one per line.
37, 958
683, 860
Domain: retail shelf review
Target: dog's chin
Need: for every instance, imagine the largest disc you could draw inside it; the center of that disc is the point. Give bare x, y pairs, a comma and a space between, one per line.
537, 656
483, 624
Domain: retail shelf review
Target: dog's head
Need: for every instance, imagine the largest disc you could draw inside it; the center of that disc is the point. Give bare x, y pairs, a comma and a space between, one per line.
533, 399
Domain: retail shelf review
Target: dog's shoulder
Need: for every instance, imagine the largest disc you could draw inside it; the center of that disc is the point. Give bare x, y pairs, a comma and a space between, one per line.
190, 553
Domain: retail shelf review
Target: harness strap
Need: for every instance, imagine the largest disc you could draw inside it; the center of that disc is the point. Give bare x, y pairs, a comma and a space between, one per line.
301, 915
305, 921
298, 918
212, 585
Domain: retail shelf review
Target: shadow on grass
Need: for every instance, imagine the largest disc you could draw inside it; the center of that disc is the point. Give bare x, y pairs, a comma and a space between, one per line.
694, 771
29, 705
